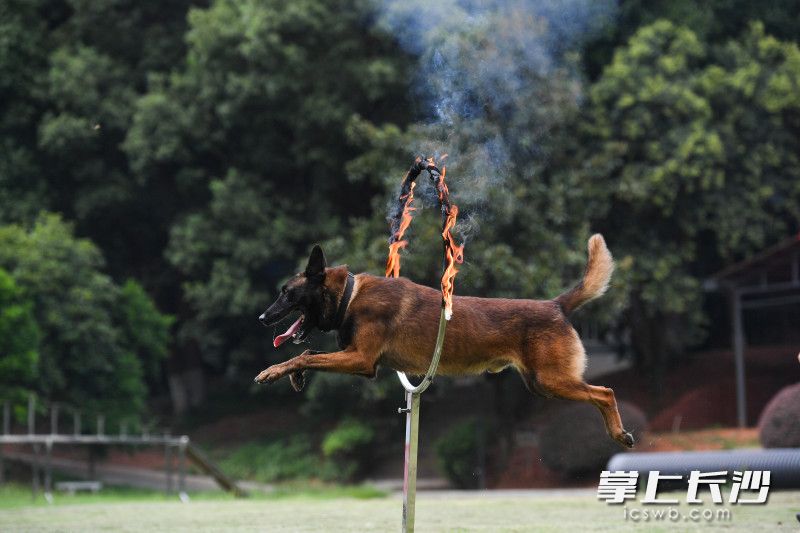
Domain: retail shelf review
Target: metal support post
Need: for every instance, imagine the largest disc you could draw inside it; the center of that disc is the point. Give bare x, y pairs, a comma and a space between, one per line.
168, 467
410, 471
738, 355
6, 431
35, 472
91, 463
411, 411
54, 419
182, 469
48, 472
31, 414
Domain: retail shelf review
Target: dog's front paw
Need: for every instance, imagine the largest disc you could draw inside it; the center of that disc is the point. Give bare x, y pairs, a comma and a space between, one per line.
269, 375
298, 380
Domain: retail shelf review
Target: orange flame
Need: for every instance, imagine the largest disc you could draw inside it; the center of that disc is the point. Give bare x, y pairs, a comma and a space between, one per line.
454, 254
393, 261
441, 187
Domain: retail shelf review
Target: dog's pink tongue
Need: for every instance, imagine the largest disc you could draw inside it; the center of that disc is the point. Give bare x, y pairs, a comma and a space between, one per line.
283, 337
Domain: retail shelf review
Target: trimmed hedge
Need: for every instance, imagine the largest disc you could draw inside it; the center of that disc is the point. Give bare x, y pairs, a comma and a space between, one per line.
575, 441
779, 425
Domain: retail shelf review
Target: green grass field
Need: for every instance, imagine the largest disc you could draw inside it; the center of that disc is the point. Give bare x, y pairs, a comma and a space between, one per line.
360, 510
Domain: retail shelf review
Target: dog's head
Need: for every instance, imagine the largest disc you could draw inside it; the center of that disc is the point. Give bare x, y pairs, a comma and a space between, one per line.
306, 293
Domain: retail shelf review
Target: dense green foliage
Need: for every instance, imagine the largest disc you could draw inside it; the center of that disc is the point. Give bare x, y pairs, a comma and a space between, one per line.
349, 448
277, 460
144, 329
96, 337
699, 145
198, 148
19, 341
348, 436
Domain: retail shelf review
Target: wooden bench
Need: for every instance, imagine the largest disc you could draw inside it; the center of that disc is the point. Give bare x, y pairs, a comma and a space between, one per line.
71, 487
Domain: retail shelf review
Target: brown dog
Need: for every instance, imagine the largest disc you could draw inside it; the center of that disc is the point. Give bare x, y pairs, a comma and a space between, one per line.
393, 322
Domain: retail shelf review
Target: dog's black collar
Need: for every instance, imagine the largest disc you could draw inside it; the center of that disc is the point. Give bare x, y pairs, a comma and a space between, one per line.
345, 301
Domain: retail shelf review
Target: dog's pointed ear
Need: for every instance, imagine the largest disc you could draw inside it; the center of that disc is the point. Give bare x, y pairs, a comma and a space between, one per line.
316, 263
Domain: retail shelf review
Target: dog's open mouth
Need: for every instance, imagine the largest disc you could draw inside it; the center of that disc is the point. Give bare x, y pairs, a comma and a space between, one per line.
295, 332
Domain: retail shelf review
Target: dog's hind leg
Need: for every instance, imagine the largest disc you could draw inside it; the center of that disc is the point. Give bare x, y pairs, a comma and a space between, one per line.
601, 397
556, 369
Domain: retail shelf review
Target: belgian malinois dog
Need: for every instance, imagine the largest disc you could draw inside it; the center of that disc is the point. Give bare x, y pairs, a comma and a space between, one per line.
393, 322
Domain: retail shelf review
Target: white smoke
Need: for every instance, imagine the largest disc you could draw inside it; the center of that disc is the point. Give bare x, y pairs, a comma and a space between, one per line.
480, 64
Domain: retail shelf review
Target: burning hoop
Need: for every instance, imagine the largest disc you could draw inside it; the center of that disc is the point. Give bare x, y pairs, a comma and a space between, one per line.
453, 254
402, 216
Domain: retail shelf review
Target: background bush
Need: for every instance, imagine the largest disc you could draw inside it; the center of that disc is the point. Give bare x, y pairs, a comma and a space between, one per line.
575, 441
347, 450
457, 451
779, 425
277, 460
98, 340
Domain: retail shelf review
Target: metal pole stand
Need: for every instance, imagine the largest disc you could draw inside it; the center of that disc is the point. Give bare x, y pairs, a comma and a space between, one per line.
411, 411
184, 497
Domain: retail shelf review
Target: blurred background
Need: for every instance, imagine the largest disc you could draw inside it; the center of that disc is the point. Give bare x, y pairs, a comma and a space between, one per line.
166, 165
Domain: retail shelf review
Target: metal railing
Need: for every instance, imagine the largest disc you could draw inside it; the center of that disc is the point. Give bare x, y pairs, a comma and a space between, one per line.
42, 445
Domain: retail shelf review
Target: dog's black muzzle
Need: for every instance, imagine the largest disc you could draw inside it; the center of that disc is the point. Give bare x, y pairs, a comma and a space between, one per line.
271, 316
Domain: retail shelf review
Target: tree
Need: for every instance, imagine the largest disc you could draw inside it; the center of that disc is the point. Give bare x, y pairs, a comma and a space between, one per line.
699, 146
712, 21
19, 341
102, 54
123, 116
93, 347
145, 329
23, 58
72, 70
251, 131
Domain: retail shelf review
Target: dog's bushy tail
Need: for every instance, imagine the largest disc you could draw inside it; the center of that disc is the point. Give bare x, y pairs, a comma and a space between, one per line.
595, 280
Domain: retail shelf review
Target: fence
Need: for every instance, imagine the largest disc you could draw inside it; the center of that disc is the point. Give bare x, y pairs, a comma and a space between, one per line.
42, 445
